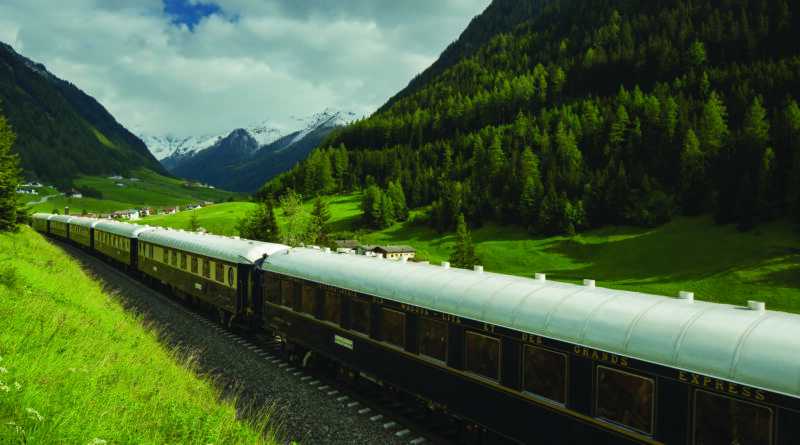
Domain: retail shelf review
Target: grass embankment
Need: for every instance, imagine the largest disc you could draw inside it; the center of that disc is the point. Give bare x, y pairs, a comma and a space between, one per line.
151, 190
76, 368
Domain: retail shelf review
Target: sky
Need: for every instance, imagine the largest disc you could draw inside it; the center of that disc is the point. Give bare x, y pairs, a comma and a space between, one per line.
193, 67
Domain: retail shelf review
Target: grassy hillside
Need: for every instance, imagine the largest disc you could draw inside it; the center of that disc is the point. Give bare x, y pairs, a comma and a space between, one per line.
152, 190
717, 263
75, 368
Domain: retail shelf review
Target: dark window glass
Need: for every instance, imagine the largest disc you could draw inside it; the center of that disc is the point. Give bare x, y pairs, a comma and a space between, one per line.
174, 258
230, 276
219, 272
165, 256
394, 327
625, 398
545, 374
333, 308
183, 261
723, 420
206, 268
272, 288
151, 248
433, 338
288, 290
194, 264
483, 355
309, 302
359, 316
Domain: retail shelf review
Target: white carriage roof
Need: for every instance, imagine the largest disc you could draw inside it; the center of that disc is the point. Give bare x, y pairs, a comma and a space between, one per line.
750, 346
124, 229
44, 216
234, 250
61, 218
85, 222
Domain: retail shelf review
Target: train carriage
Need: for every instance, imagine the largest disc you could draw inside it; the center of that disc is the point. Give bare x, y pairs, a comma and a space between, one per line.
119, 241
81, 231
59, 226
40, 222
217, 270
530, 360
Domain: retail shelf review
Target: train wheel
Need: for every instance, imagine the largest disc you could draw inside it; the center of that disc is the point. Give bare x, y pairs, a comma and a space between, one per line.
325, 366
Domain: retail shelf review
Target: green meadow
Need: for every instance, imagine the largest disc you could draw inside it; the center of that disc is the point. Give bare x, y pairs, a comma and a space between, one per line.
76, 368
151, 190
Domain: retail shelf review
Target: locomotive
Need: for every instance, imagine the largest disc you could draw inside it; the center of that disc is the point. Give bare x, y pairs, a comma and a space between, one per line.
505, 359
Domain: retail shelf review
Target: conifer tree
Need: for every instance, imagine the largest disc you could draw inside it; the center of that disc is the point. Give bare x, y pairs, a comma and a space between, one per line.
320, 228
463, 255
11, 210
260, 223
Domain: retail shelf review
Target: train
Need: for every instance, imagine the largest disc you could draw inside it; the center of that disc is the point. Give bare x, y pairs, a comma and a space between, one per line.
499, 358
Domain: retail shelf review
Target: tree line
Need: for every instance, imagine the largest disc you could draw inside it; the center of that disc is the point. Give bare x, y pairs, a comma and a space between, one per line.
595, 112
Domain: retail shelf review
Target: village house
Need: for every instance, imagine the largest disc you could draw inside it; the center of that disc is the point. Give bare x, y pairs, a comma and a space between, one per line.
395, 252
28, 191
73, 194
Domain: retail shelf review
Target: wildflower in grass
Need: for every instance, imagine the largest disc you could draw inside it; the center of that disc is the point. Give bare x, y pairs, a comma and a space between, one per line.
34, 414
17, 385
3, 387
97, 441
3, 370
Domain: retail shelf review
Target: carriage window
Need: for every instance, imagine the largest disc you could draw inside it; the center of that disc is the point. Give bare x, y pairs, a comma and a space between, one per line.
287, 294
206, 268
183, 261
545, 374
723, 420
272, 289
359, 316
394, 327
165, 256
219, 272
483, 355
433, 338
230, 276
174, 258
309, 300
151, 248
194, 264
625, 399
332, 308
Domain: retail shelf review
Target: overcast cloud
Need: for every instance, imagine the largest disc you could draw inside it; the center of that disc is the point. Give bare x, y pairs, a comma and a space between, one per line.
186, 67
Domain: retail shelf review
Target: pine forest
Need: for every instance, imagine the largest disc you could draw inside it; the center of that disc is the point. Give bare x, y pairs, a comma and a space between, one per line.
591, 113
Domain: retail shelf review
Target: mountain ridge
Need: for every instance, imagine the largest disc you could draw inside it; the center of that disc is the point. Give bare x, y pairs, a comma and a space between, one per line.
62, 131
246, 158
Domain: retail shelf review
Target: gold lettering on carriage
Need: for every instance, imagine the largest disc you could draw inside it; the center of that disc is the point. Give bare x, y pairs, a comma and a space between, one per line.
721, 385
601, 355
336, 290
414, 309
530, 338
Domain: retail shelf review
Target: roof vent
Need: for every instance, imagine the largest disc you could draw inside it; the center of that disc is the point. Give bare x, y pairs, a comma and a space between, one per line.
478, 269
588, 283
446, 264
756, 305
540, 277
688, 296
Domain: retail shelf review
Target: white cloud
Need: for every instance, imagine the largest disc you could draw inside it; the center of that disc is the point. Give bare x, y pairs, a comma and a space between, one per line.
249, 62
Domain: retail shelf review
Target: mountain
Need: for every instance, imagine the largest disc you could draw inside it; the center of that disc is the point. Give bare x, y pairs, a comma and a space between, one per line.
246, 158
501, 16
62, 131
589, 113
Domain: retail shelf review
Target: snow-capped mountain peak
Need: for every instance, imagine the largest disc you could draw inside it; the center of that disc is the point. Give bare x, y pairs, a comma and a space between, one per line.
265, 132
